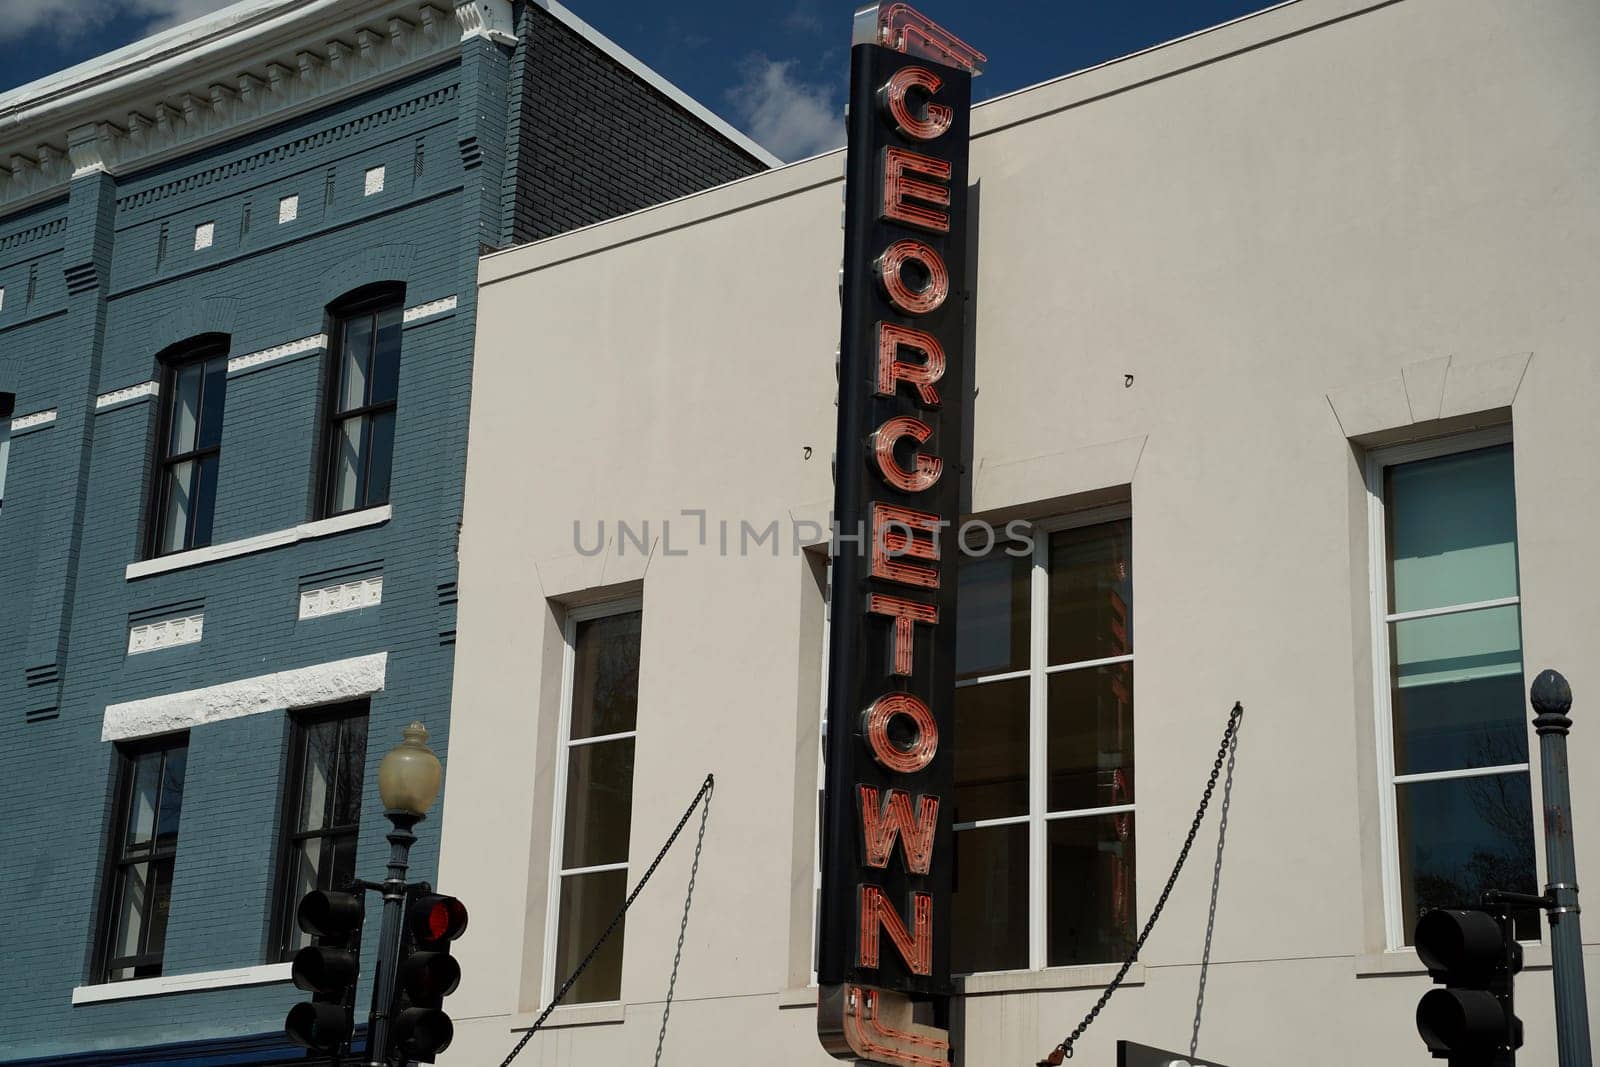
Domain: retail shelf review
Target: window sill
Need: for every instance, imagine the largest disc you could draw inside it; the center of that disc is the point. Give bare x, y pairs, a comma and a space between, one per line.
607, 1013
181, 983
1051, 979
1399, 962
306, 531
802, 996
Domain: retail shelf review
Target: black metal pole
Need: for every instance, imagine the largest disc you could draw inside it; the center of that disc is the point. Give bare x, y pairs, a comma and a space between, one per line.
1552, 699
394, 902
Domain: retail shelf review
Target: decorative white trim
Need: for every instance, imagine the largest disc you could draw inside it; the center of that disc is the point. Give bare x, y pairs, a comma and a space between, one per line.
489, 19
168, 633
334, 599
315, 343
423, 311
28, 422
306, 531
304, 687
288, 208
2, 298
182, 983
372, 183
204, 234
132, 392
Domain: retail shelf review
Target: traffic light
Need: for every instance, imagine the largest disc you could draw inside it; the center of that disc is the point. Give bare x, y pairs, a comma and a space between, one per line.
427, 974
327, 968
1474, 954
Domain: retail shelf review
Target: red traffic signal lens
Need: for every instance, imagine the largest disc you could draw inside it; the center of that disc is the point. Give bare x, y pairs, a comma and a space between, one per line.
438, 918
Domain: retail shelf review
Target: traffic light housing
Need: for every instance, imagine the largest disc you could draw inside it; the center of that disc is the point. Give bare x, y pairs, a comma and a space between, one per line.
328, 969
1474, 955
426, 975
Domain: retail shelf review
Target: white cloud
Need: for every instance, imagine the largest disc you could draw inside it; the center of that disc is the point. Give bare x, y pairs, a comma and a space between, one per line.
68, 19
792, 118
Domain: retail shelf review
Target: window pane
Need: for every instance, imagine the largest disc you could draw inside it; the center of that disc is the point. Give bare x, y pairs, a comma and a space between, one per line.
599, 803
1090, 753
146, 785
1091, 592
172, 772
352, 769
160, 904
386, 356
1462, 836
605, 683
1452, 530
991, 757
1457, 648
588, 904
1453, 725
381, 458
178, 496
354, 353
316, 783
213, 392
205, 500
1090, 889
305, 862
132, 900
347, 466
185, 409
992, 614
990, 927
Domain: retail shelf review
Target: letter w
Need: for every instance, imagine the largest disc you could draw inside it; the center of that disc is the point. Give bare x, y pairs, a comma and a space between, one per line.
882, 822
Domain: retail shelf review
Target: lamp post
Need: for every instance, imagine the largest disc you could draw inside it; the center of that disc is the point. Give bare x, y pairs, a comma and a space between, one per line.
408, 784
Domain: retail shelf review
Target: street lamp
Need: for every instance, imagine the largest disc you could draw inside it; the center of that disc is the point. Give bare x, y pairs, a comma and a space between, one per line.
408, 784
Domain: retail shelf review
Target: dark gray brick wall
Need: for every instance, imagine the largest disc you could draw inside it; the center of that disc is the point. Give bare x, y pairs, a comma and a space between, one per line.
593, 141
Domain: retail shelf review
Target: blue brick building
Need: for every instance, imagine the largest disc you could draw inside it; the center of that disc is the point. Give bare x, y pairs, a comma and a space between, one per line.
237, 289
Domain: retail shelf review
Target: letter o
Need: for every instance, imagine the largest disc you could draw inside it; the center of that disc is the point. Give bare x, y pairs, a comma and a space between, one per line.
913, 301
875, 727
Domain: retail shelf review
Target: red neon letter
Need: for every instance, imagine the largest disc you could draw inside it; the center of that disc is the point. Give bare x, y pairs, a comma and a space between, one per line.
913, 301
881, 824
885, 437
893, 98
904, 613
876, 911
875, 727
899, 188
895, 534
891, 368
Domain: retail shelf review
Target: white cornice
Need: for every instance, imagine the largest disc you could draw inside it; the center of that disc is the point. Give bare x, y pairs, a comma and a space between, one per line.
248, 65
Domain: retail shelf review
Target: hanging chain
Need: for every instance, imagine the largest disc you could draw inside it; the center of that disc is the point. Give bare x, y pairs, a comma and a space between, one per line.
683, 928
1216, 884
1063, 1051
616, 920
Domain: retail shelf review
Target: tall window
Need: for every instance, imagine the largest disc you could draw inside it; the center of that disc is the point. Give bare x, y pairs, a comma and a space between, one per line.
362, 397
1453, 730
144, 843
190, 446
594, 787
7, 405
1044, 751
321, 813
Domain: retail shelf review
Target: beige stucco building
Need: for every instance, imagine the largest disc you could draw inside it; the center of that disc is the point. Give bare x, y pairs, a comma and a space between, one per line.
1235, 295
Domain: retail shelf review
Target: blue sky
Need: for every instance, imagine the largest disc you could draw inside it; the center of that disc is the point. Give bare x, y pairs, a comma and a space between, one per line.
775, 68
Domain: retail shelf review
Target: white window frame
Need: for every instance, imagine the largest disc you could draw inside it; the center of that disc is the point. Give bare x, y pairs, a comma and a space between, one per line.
822, 770
1037, 672
558, 834
1378, 461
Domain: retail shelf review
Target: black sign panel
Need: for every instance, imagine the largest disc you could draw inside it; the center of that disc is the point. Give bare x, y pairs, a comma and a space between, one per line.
1132, 1055
887, 859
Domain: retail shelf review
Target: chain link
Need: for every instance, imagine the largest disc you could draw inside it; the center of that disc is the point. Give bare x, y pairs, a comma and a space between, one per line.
683, 929
1064, 1050
705, 789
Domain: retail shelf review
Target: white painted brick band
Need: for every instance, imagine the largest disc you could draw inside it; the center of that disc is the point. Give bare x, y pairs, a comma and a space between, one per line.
28, 422
305, 687
314, 343
333, 599
433, 307
168, 633
132, 392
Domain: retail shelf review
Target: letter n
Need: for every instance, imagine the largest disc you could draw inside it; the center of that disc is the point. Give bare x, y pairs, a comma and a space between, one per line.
915, 945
